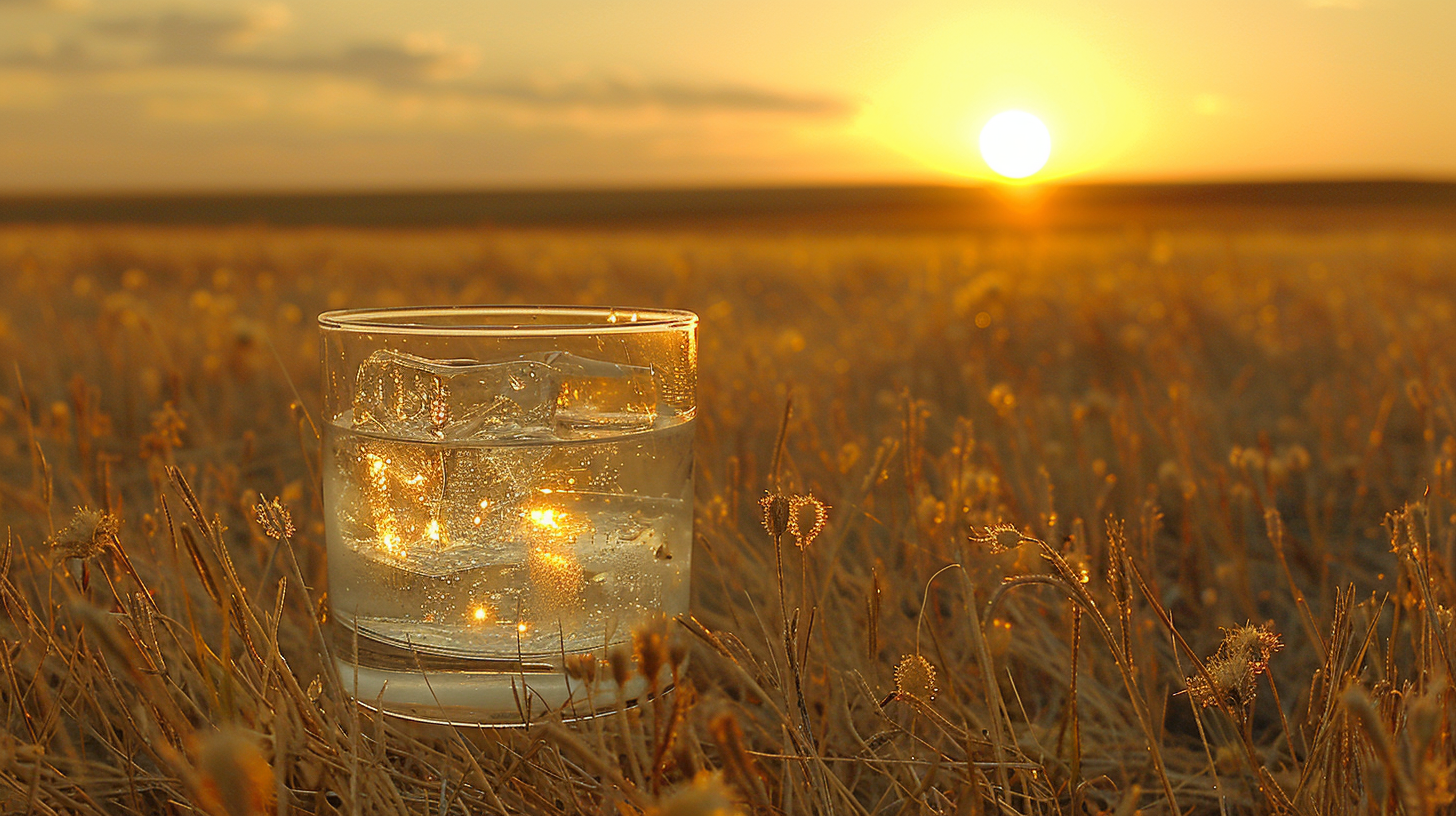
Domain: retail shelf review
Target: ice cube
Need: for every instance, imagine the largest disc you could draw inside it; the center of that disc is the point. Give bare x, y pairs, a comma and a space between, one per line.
485, 495
400, 487
435, 512
595, 395
411, 397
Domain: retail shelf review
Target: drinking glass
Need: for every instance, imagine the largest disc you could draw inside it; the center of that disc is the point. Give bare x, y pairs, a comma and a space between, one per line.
507, 492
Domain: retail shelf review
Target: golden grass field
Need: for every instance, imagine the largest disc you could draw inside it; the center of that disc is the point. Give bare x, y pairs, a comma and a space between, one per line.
1071, 475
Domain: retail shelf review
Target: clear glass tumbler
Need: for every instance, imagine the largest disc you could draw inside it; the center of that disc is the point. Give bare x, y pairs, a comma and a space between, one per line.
505, 487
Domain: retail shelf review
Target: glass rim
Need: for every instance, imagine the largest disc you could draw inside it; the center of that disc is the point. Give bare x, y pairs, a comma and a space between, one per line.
476, 320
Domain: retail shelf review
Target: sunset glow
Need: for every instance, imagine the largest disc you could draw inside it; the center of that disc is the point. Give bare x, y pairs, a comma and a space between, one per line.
298, 94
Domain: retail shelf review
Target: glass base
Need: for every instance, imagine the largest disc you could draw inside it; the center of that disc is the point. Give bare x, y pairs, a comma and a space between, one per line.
490, 699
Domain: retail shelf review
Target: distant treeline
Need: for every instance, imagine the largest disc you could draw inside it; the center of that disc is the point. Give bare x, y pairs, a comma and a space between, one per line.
824, 207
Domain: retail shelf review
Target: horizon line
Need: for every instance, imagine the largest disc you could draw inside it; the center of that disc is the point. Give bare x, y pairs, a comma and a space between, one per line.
832, 207
1012, 186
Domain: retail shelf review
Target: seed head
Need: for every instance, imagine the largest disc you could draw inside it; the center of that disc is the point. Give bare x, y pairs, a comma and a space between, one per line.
87, 534
1234, 670
775, 514
1258, 642
915, 679
1229, 679
797, 506
620, 662
649, 643
706, 795
582, 667
275, 519
235, 773
140, 622
998, 538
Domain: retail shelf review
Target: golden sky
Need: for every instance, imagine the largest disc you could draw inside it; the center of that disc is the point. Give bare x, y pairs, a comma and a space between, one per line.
351, 94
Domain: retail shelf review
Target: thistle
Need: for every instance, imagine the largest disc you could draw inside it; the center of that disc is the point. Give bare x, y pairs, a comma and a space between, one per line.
1232, 673
88, 533
915, 679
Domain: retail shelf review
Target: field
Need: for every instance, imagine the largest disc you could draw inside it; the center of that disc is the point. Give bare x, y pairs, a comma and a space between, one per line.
1119, 519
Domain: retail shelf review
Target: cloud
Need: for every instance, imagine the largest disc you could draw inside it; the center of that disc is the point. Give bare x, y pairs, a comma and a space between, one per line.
46, 54
418, 65
56, 5
619, 93
408, 66
172, 38
187, 37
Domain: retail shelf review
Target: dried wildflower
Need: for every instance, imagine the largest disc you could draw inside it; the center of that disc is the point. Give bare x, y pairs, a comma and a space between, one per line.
649, 644
88, 533
620, 662
235, 774
915, 679
582, 667
1295, 457
1259, 642
1230, 679
275, 519
797, 505
776, 514
1233, 671
1251, 459
706, 795
998, 538
166, 434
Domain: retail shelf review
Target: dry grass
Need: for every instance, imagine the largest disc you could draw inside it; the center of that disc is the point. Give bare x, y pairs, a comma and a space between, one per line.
1070, 477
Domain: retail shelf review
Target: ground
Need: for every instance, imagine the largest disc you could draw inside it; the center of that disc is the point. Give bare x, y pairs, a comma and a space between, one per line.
1072, 473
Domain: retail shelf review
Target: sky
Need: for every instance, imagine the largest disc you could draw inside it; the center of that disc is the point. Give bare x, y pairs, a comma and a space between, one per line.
121, 96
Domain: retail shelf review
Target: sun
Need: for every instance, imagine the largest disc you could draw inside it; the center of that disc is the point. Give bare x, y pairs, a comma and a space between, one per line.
1015, 144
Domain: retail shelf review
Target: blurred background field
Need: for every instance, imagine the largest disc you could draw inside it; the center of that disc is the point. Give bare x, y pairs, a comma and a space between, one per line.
1207, 423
